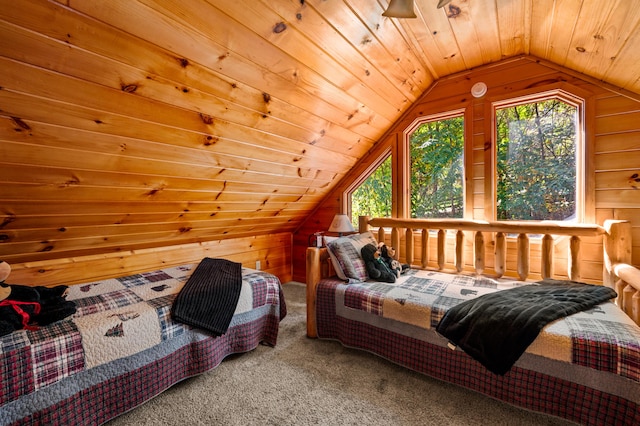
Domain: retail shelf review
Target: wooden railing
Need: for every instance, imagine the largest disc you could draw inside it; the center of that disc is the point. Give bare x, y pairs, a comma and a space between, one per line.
523, 230
628, 288
618, 272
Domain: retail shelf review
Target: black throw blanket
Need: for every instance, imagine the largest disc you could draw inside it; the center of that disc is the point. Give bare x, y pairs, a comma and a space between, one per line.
497, 328
210, 296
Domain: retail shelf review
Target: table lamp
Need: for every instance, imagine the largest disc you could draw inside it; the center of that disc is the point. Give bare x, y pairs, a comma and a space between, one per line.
341, 224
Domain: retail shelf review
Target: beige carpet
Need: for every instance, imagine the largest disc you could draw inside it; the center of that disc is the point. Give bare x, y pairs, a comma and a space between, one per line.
313, 382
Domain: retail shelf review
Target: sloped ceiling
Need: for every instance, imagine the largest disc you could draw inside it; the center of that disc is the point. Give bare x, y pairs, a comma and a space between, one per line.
139, 123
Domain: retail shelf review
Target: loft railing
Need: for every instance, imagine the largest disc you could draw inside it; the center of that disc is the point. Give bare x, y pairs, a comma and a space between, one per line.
618, 272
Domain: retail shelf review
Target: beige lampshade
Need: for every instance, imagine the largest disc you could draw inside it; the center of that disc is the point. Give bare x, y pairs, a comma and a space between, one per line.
400, 9
341, 224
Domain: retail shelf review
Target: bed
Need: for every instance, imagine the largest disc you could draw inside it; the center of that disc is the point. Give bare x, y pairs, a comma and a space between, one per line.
584, 367
122, 347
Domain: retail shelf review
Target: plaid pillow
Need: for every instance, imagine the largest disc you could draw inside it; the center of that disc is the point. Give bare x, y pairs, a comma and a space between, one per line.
346, 258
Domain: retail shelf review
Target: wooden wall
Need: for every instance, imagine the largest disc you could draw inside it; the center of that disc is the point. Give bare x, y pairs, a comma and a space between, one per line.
273, 251
143, 125
612, 142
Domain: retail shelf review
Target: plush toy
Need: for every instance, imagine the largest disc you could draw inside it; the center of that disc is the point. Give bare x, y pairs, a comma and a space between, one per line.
376, 268
388, 253
26, 307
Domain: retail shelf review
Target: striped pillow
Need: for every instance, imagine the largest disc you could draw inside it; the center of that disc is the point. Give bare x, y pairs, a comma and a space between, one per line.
346, 258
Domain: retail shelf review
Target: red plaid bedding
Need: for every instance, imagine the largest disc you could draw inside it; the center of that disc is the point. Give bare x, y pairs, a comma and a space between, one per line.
584, 368
122, 348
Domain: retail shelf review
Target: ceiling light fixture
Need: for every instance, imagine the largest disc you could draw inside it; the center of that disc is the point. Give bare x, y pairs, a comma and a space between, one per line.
400, 9
404, 8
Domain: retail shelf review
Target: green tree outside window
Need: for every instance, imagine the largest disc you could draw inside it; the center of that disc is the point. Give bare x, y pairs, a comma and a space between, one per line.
373, 197
437, 166
536, 161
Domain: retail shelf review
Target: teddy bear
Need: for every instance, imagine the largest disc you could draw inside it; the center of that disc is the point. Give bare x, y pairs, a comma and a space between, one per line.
388, 253
377, 269
26, 307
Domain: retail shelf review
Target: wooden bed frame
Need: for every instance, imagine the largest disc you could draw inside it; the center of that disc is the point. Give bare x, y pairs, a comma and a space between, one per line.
614, 238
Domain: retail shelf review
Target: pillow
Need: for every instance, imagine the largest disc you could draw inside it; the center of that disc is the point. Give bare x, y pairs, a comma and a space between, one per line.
334, 261
346, 258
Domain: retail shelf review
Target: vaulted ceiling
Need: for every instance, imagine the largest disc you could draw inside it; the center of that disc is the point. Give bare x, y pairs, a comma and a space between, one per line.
137, 123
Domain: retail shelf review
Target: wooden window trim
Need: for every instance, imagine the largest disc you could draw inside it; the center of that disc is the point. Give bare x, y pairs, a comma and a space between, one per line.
585, 179
405, 170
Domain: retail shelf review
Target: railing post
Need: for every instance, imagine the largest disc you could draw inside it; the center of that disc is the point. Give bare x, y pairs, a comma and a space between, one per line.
546, 262
395, 241
409, 245
381, 234
523, 256
478, 250
617, 248
425, 248
363, 224
501, 254
314, 275
441, 247
574, 258
459, 250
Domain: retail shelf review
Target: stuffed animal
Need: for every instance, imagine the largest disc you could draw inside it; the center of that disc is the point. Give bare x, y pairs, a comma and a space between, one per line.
26, 307
376, 268
388, 253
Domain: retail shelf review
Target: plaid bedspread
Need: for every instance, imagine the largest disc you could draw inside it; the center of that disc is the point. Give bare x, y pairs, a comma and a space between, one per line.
585, 367
123, 330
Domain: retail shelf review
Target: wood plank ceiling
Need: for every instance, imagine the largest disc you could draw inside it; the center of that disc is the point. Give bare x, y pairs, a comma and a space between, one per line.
139, 123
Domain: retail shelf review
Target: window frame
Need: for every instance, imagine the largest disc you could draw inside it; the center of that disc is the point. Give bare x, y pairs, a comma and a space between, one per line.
405, 171
355, 184
581, 145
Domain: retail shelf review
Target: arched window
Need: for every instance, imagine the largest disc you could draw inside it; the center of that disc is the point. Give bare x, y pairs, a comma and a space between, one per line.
436, 166
538, 158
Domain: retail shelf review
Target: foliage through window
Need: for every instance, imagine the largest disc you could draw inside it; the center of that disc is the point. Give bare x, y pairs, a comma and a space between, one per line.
437, 165
536, 161
373, 197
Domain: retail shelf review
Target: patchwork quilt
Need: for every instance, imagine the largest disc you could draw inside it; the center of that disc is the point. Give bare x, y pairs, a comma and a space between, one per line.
422, 298
122, 327
584, 367
498, 327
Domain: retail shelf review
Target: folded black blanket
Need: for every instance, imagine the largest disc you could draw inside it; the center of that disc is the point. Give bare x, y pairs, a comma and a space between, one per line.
497, 328
210, 296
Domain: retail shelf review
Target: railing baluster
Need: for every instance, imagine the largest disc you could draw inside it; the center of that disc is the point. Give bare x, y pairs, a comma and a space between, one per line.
574, 258
546, 262
425, 248
501, 254
395, 241
409, 244
441, 247
459, 251
478, 250
523, 256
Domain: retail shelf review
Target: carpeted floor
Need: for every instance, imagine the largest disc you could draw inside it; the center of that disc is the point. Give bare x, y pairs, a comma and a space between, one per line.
306, 381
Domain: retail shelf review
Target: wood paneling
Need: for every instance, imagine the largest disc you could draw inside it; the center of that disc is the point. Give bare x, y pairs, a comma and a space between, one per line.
129, 125
615, 152
273, 251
